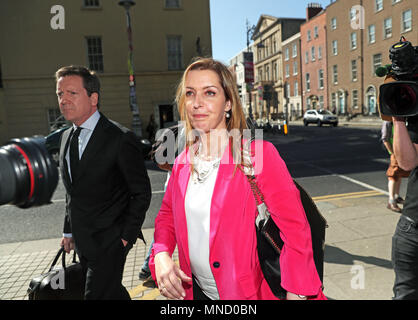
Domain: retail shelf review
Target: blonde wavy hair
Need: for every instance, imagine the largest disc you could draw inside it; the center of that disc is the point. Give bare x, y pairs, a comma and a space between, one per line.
235, 122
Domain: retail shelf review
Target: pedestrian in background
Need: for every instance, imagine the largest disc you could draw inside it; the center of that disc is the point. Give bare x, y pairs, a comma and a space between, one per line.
405, 239
209, 211
394, 172
108, 190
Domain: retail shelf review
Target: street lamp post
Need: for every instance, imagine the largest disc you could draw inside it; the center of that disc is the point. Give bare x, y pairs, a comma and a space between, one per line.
136, 121
250, 31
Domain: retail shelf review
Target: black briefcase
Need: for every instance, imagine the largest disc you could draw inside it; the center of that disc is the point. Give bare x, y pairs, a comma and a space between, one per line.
61, 282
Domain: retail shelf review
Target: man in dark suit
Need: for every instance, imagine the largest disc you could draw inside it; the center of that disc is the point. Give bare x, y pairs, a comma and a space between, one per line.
108, 188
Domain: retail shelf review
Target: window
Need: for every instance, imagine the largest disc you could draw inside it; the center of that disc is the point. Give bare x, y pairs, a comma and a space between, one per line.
315, 32
395, 1
353, 40
308, 82
313, 54
295, 67
296, 89
387, 28
275, 71
287, 72
172, 4
91, 3
319, 53
321, 102
354, 100
174, 52
407, 20
306, 57
321, 79
333, 23
377, 62
267, 69
372, 33
287, 90
95, 53
294, 50
309, 35
353, 14
335, 74
353, 70
286, 53
378, 5
334, 47
334, 100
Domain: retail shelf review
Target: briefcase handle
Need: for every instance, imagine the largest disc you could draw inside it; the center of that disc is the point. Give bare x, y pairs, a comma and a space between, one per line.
61, 251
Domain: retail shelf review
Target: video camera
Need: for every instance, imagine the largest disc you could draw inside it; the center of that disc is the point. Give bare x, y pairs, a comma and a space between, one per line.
398, 96
28, 175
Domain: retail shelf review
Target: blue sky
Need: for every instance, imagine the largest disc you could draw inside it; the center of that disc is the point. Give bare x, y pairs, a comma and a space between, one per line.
228, 20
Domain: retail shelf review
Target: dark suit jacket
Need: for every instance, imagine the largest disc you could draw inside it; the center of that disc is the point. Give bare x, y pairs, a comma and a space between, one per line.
111, 193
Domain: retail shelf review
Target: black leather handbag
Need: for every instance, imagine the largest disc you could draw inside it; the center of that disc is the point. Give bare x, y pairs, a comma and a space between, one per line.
61, 282
270, 244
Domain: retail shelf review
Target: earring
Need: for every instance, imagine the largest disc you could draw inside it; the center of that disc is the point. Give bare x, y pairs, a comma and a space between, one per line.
227, 115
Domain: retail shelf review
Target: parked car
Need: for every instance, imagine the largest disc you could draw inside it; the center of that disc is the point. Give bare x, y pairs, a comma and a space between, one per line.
52, 143
320, 117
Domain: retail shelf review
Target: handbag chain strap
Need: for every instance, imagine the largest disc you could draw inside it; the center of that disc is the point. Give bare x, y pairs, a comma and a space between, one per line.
263, 213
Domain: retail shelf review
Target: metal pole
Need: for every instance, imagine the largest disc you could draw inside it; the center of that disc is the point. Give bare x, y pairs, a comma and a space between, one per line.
136, 121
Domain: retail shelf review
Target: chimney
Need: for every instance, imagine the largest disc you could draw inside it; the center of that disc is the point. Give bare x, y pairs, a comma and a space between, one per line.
312, 10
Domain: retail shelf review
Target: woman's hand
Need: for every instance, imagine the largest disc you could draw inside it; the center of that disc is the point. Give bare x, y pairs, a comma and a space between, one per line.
169, 277
292, 296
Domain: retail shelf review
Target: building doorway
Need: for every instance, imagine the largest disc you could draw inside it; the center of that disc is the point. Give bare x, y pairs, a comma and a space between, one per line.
341, 102
166, 115
371, 100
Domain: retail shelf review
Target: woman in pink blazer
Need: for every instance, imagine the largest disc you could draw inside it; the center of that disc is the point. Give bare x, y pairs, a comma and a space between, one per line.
209, 210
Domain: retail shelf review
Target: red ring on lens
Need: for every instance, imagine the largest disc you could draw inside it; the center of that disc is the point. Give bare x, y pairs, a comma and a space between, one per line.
32, 175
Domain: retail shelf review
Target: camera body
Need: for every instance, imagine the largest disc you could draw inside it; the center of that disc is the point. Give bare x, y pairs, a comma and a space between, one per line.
398, 96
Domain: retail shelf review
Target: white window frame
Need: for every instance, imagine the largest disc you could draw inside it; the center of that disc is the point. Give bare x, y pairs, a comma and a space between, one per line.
335, 74
386, 28
294, 50
94, 46
354, 73
321, 79
353, 40
313, 55
295, 68
319, 53
403, 22
378, 5
334, 47
376, 62
371, 37
333, 23
308, 81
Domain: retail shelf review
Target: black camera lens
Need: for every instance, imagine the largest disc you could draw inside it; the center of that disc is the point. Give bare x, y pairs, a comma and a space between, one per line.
28, 175
399, 98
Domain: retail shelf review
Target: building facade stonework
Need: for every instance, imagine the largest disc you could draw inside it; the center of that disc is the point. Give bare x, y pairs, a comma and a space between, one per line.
268, 97
36, 41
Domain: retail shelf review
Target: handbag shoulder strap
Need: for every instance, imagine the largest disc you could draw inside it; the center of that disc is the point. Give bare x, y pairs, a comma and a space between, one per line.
263, 213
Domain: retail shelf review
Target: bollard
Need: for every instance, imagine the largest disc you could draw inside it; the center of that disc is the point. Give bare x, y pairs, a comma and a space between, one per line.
285, 131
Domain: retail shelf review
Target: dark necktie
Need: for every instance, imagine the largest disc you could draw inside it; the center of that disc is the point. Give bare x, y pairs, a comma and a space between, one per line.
74, 156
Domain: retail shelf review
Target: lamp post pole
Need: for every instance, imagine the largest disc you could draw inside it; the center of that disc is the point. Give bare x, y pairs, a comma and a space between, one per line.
249, 85
136, 121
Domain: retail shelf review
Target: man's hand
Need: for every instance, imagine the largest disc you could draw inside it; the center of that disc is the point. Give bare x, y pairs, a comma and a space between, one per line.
68, 244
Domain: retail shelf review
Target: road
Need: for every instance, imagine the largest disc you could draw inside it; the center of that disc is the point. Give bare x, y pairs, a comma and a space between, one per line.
325, 160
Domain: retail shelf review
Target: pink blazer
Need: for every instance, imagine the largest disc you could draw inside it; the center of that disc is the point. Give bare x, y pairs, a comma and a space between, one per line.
233, 244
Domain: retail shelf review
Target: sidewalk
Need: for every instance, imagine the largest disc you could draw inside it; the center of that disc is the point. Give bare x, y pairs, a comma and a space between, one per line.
357, 253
